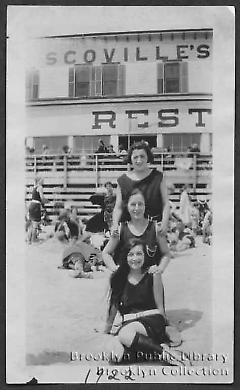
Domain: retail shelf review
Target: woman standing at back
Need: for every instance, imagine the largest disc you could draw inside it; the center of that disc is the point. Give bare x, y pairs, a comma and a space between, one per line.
149, 181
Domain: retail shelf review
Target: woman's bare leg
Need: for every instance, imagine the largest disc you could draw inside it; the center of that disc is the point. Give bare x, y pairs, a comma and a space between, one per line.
128, 332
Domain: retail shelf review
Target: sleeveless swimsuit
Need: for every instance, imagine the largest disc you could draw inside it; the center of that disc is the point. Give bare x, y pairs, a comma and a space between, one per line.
150, 187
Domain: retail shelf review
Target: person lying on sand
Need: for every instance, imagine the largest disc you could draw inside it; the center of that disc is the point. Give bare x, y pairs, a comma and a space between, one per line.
82, 259
180, 238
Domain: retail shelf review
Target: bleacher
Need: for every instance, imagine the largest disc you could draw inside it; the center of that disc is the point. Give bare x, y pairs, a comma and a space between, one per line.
74, 178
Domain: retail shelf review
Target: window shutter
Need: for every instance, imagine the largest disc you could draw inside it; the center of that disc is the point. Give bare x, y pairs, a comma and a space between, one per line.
35, 85
183, 77
121, 88
98, 80
93, 81
71, 82
160, 77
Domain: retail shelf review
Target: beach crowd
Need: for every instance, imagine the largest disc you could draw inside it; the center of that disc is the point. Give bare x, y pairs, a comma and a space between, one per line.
134, 237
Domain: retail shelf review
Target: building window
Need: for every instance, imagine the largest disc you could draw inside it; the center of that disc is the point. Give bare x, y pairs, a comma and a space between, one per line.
109, 80
127, 140
54, 144
179, 142
82, 80
172, 77
32, 84
97, 81
89, 143
211, 141
102, 80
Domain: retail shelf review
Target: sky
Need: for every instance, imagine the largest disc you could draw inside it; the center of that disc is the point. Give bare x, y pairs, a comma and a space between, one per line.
31, 21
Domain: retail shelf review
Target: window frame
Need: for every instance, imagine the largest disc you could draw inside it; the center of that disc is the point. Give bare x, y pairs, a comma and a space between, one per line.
182, 79
32, 84
96, 81
165, 79
181, 147
88, 143
116, 81
74, 81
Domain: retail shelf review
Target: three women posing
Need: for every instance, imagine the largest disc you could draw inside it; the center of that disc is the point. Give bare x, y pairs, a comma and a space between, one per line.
142, 206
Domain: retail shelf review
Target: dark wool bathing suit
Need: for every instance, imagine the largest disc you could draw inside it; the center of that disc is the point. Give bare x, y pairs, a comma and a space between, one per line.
139, 297
35, 207
149, 236
150, 187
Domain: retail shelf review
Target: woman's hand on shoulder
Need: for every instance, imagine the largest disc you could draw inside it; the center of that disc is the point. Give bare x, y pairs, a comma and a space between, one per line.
114, 268
155, 269
162, 228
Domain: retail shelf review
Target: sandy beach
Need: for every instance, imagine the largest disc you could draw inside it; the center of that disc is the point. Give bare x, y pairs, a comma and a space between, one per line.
62, 312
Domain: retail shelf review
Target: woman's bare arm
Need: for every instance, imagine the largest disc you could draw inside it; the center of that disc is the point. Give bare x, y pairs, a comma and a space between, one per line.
166, 207
158, 292
40, 191
163, 245
117, 211
110, 319
108, 252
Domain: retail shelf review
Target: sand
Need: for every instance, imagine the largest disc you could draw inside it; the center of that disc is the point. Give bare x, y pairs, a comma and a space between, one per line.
62, 312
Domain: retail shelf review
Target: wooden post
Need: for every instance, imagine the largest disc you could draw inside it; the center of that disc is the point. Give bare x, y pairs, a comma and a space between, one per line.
194, 173
162, 161
129, 132
65, 171
96, 169
54, 163
35, 166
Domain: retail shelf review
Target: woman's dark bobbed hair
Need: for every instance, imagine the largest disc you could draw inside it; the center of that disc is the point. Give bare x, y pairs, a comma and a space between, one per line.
140, 145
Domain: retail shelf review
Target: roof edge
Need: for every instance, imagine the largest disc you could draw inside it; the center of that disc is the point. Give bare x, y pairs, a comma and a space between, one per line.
99, 34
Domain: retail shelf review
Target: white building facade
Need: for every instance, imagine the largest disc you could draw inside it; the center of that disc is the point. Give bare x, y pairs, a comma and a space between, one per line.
121, 87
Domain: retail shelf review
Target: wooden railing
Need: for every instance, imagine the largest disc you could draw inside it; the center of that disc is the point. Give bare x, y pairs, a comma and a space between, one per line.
96, 162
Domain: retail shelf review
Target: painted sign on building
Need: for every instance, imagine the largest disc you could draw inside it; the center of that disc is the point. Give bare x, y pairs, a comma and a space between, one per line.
116, 118
123, 48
